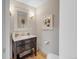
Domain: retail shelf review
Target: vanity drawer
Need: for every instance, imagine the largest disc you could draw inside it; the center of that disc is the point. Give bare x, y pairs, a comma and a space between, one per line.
28, 46
27, 41
20, 43
23, 48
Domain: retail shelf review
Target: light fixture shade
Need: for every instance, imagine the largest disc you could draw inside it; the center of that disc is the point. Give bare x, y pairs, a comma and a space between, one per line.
11, 9
31, 14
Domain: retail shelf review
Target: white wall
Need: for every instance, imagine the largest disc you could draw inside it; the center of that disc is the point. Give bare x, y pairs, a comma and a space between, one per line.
49, 8
67, 30
5, 30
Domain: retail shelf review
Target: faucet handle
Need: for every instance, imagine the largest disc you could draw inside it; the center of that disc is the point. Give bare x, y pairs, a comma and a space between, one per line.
28, 33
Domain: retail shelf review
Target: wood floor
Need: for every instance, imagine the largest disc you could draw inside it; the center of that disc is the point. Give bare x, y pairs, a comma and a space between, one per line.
39, 56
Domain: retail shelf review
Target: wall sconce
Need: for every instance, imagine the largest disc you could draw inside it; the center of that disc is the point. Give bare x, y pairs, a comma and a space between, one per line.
31, 15
11, 10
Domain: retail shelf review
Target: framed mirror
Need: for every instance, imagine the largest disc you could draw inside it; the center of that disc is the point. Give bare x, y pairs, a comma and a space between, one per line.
22, 19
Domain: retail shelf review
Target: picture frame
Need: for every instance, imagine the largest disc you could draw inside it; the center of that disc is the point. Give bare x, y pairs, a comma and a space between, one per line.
48, 22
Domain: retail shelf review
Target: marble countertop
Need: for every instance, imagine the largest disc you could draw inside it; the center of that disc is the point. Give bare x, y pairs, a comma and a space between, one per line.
18, 38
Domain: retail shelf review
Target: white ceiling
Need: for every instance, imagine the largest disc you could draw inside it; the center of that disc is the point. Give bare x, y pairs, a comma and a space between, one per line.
33, 3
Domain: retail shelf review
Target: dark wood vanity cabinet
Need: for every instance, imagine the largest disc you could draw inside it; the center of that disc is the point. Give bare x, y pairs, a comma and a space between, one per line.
24, 45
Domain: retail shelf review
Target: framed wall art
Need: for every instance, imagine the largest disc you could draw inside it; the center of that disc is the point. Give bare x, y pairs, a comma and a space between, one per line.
48, 22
